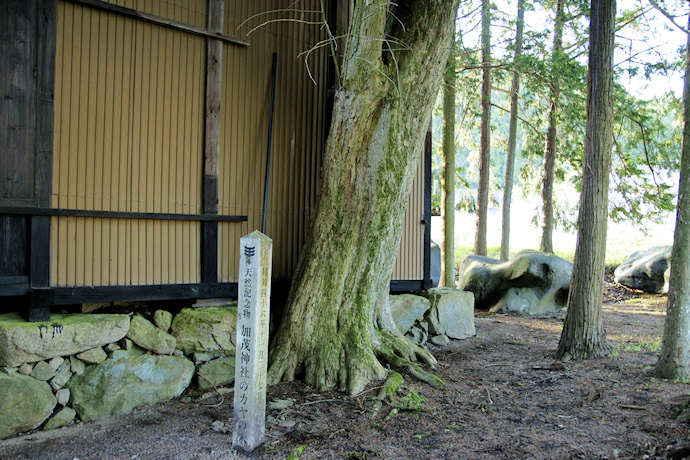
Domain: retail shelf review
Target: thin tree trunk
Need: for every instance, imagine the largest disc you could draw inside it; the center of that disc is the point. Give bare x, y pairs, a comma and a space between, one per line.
674, 360
512, 136
485, 136
548, 167
449, 172
583, 334
337, 323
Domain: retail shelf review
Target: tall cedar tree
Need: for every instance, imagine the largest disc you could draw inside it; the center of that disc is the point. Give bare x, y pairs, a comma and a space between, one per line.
449, 171
337, 324
512, 136
485, 135
583, 334
549, 165
674, 360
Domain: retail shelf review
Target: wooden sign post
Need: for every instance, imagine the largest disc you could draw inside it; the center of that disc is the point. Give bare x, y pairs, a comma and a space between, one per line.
252, 341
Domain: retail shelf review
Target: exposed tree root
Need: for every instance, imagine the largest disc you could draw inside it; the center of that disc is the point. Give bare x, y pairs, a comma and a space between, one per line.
354, 365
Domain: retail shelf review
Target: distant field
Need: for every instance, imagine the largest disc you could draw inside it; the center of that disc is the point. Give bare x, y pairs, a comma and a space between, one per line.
623, 239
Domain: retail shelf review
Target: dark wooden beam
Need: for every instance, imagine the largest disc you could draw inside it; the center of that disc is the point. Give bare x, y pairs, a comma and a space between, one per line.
158, 20
106, 294
214, 89
28, 211
426, 158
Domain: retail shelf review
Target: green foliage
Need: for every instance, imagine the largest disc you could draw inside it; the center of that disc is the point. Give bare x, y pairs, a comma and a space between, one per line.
647, 134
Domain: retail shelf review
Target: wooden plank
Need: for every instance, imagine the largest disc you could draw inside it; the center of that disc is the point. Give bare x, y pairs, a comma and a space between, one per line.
46, 48
18, 97
14, 246
104, 294
161, 21
428, 141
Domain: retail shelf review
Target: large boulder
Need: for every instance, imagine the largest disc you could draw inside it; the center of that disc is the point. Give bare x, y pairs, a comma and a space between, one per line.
126, 380
532, 283
647, 271
23, 342
206, 330
25, 403
451, 312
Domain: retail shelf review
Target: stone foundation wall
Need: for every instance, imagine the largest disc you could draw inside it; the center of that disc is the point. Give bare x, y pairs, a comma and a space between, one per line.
88, 366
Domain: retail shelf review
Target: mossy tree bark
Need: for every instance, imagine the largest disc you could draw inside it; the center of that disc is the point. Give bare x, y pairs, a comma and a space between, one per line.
674, 360
337, 324
449, 172
583, 334
549, 164
480, 245
512, 136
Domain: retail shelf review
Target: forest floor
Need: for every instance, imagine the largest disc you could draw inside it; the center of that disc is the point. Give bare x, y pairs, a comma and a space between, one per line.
507, 398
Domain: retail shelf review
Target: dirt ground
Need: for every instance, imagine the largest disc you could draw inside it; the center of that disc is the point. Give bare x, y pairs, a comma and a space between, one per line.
507, 399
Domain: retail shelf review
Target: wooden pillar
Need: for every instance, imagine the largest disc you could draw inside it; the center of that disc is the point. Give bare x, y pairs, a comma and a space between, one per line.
214, 79
27, 55
46, 30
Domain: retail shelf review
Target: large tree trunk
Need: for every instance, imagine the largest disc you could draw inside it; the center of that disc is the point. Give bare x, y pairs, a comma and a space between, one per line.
337, 324
674, 360
512, 136
485, 136
449, 172
583, 333
548, 167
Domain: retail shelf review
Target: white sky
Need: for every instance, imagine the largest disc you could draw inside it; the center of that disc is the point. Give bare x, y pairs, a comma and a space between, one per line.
657, 37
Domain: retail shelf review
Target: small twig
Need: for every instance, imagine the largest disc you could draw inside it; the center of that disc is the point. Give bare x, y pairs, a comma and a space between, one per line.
625, 406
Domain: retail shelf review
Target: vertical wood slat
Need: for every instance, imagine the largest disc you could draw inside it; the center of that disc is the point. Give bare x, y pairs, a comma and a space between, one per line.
214, 83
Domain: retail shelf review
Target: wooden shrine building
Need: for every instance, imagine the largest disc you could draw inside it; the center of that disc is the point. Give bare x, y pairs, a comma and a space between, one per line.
134, 142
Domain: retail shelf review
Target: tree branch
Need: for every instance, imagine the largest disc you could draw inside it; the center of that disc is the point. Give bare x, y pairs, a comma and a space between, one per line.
668, 16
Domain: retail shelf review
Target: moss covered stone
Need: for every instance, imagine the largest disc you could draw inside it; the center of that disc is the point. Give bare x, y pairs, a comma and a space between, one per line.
127, 380
149, 337
24, 403
23, 342
206, 330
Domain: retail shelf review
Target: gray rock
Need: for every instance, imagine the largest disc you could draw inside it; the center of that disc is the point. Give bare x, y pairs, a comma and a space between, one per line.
62, 375
200, 358
647, 271
435, 262
23, 342
163, 319
451, 312
206, 330
417, 335
42, 371
10, 370
407, 309
149, 337
26, 403
56, 362
62, 396
127, 380
216, 373
93, 356
440, 340
111, 347
77, 365
531, 283
61, 418
25, 369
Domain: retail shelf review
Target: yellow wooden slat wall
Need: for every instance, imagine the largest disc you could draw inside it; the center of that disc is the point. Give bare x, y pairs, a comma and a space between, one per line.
298, 131
128, 137
410, 262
